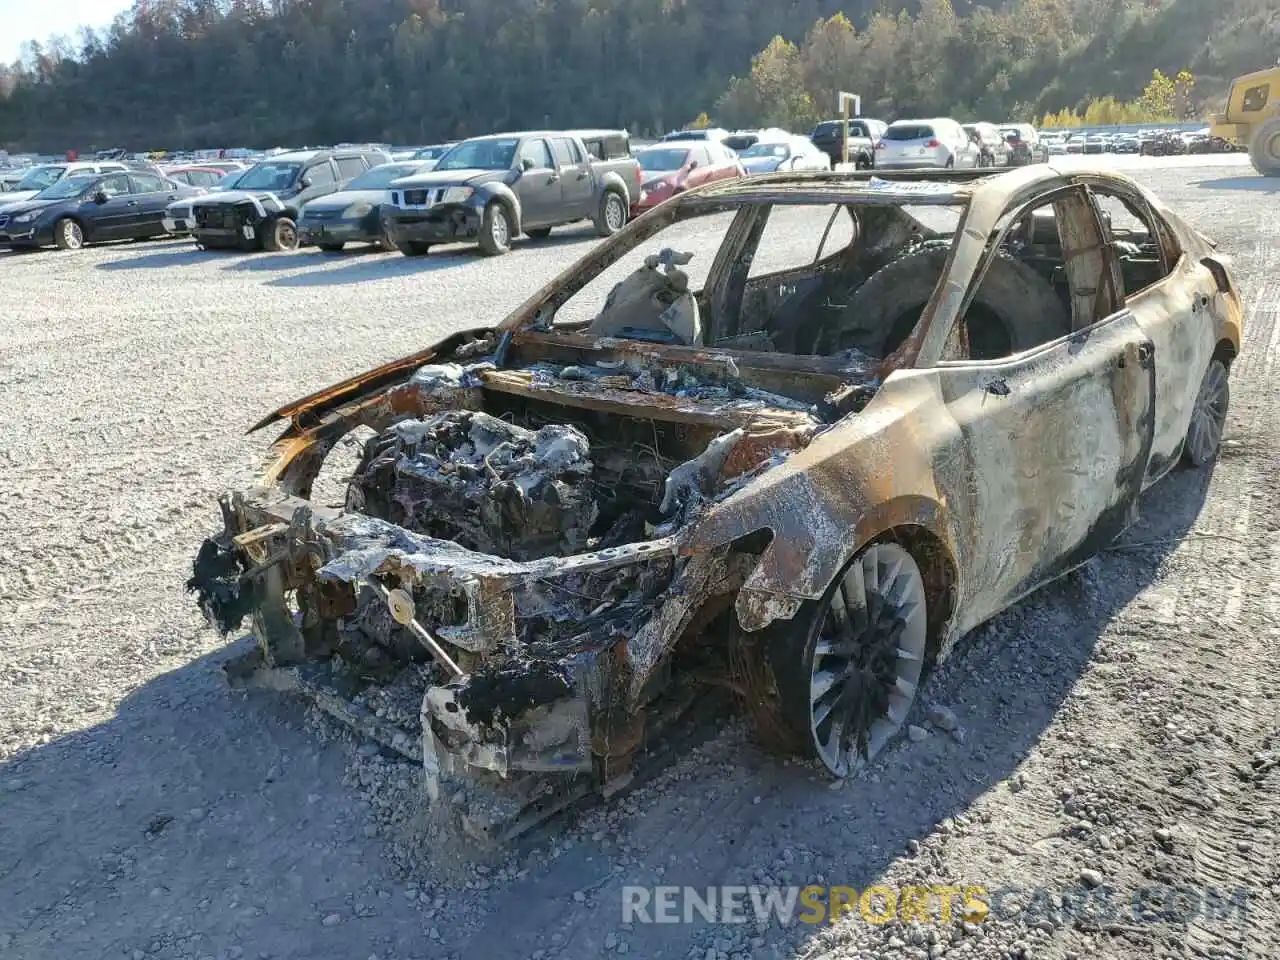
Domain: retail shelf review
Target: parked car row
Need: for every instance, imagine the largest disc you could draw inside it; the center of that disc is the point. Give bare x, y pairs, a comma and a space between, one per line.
486, 190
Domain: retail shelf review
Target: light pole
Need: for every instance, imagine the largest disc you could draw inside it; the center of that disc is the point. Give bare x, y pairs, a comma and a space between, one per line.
843, 100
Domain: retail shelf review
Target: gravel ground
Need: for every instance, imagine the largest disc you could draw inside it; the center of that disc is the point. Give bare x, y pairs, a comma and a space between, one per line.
1115, 732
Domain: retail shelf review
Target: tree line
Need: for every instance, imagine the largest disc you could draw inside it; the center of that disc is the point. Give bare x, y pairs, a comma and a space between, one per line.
260, 73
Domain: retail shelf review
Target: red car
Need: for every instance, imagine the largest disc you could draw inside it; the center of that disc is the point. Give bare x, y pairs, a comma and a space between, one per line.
673, 166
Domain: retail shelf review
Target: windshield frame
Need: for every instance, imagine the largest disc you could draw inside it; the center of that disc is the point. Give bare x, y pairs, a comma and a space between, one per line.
293, 165
771, 148
461, 155
61, 171
87, 179
383, 169
536, 317
653, 151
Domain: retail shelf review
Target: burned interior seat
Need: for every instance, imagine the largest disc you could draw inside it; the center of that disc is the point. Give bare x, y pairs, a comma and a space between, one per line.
1014, 309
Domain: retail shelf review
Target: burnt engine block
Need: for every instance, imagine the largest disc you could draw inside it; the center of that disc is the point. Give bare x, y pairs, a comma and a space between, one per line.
486, 484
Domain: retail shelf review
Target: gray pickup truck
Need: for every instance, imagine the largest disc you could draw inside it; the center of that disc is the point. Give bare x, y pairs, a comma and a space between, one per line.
864, 133
491, 189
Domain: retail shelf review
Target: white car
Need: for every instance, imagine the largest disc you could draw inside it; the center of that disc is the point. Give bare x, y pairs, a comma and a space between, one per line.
793, 153
35, 179
940, 142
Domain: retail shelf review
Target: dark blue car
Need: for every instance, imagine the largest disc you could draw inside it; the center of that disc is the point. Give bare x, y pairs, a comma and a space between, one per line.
90, 209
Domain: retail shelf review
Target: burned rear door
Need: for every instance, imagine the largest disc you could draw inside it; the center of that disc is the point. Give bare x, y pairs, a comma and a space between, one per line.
1045, 457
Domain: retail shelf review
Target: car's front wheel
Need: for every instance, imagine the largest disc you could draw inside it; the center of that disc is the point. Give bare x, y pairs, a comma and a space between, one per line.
847, 667
282, 234
495, 230
612, 216
68, 234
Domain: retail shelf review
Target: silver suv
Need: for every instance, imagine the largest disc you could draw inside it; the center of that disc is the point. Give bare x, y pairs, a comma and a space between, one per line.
940, 142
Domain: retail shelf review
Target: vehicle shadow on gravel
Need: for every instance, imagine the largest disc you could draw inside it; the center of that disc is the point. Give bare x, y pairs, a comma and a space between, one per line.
208, 820
1258, 184
741, 816
181, 257
214, 817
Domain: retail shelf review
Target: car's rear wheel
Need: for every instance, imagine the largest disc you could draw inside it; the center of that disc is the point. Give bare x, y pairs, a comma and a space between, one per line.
612, 215
331, 247
282, 234
495, 230
415, 248
539, 233
1208, 416
847, 667
68, 234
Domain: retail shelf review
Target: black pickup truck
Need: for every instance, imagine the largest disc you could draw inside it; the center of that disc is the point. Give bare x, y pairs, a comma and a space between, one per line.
491, 189
864, 133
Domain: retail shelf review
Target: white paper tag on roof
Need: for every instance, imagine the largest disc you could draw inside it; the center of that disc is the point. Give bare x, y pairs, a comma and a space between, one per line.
915, 187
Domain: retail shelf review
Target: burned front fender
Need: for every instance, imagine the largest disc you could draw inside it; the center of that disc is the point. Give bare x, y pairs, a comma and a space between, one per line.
871, 473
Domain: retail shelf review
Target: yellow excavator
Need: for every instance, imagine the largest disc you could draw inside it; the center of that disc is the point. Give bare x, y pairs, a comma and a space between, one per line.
1252, 119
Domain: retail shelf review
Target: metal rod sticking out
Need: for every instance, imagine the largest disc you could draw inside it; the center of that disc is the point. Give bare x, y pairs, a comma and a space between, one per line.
400, 603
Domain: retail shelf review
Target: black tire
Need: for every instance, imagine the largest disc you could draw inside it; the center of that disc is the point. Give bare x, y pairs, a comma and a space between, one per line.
538, 233
1015, 308
331, 247
1264, 148
415, 248
495, 230
282, 234
612, 215
387, 242
68, 234
1208, 416
860, 652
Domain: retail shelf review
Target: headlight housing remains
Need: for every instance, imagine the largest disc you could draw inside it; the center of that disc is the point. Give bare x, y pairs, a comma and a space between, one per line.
457, 194
357, 210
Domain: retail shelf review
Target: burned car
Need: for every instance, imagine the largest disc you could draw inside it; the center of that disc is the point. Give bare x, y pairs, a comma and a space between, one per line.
816, 427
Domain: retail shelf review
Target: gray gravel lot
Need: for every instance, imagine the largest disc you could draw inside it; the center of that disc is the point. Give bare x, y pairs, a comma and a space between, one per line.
1120, 729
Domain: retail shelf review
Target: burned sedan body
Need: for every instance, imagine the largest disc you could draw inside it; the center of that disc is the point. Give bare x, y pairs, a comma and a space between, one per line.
829, 422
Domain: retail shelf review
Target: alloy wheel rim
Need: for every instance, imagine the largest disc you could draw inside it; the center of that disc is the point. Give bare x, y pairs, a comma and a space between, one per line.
72, 234
288, 236
501, 233
613, 213
1209, 416
867, 658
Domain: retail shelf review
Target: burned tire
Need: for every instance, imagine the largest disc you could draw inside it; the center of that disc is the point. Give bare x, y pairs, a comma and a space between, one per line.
495, 230
1264, 148
282, 234
612, 215
1208, 416
1015, 308
847, 666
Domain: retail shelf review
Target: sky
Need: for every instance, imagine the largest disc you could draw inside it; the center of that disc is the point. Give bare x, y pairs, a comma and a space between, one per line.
23, 20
